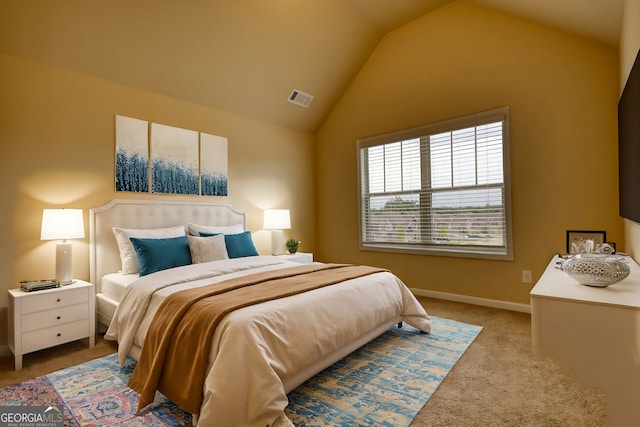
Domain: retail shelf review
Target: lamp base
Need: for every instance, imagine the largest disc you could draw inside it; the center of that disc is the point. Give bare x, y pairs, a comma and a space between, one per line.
63, 263
277, 242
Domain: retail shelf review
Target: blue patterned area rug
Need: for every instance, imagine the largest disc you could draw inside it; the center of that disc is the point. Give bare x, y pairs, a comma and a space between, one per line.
385, 383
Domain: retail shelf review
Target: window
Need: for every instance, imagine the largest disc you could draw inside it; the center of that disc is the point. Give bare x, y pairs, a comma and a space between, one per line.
440, 189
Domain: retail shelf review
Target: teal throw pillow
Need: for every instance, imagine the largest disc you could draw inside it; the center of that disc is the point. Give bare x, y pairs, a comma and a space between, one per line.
240, 245
161, 254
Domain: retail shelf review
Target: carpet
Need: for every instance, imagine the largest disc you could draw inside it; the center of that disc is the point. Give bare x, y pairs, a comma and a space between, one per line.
384, 383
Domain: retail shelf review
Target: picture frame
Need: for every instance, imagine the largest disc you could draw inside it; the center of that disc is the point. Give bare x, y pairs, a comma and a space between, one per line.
584, 241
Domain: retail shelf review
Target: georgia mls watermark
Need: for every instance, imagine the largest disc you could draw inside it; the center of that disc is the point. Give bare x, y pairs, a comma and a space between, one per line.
31, 416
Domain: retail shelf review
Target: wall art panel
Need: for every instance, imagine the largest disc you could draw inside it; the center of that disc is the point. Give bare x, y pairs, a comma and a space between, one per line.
132, 154
213, 165
174, 160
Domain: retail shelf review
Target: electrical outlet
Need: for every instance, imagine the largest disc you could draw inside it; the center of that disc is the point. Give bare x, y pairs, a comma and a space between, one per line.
526, 276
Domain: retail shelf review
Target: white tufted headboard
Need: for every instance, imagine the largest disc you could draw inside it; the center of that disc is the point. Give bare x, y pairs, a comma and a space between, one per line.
104, 257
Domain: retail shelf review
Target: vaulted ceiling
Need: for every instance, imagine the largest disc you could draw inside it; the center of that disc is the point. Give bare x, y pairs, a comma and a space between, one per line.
246, 56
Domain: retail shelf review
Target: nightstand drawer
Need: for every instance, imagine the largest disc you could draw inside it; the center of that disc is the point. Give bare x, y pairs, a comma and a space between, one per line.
44, 338
60, 298
57, 316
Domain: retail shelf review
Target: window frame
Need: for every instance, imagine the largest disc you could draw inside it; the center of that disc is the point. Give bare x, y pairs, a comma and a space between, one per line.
469, 251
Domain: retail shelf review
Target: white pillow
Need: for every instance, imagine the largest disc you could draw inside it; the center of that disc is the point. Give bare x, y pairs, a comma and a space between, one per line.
205, 249
195, 229
128, 255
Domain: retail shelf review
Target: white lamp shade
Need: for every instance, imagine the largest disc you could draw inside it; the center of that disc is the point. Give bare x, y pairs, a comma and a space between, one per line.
61, 224
277, 219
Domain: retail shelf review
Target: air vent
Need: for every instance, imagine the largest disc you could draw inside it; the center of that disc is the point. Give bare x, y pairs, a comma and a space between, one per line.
300, 98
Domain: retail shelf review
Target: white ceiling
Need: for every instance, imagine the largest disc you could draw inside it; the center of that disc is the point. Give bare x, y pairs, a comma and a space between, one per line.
245, 56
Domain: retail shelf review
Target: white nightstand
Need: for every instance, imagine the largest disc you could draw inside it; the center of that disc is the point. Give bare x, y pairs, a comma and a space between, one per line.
43, 319
301, 257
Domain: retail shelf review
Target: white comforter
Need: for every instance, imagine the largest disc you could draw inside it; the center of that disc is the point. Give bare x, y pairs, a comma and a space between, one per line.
260, 353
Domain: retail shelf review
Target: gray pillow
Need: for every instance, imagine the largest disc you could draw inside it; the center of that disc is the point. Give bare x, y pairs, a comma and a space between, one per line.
205, 249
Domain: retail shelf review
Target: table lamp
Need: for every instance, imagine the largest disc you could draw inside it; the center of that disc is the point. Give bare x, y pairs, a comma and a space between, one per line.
62, 224
277, 220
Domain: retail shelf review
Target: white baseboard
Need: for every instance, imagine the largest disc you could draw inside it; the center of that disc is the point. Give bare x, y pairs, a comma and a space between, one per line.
505, 305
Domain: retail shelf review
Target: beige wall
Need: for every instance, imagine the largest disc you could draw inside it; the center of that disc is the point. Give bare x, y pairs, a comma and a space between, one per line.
629, 45
57, 146
462, 59
57, 139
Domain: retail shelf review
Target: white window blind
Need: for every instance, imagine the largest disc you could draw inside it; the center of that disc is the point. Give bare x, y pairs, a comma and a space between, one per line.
441, 188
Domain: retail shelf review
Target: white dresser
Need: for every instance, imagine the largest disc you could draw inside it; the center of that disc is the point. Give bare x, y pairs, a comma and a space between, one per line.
43, 319
595, 332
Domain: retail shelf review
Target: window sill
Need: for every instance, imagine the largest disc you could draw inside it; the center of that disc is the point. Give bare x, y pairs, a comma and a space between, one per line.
466, 252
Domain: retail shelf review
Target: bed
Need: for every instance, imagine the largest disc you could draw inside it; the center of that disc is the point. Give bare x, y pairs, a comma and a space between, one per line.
260, 352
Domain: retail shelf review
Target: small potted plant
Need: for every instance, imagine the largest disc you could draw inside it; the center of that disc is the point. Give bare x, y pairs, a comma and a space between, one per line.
292, 246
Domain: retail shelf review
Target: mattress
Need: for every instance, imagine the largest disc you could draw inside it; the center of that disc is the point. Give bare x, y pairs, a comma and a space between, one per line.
114, 284
113, 288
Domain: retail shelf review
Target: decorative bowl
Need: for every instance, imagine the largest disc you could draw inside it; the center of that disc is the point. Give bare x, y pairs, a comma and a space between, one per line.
596, 269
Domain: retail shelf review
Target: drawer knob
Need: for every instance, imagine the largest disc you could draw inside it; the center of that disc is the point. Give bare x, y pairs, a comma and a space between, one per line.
59, 317
59, 334
58, 300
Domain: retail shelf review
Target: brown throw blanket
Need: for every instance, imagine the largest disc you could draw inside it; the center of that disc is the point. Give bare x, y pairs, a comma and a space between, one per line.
175, 354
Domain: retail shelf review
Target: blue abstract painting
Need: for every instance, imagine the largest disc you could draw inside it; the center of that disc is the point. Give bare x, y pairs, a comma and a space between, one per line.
169, 160
174, 164
213, 165
132, 154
